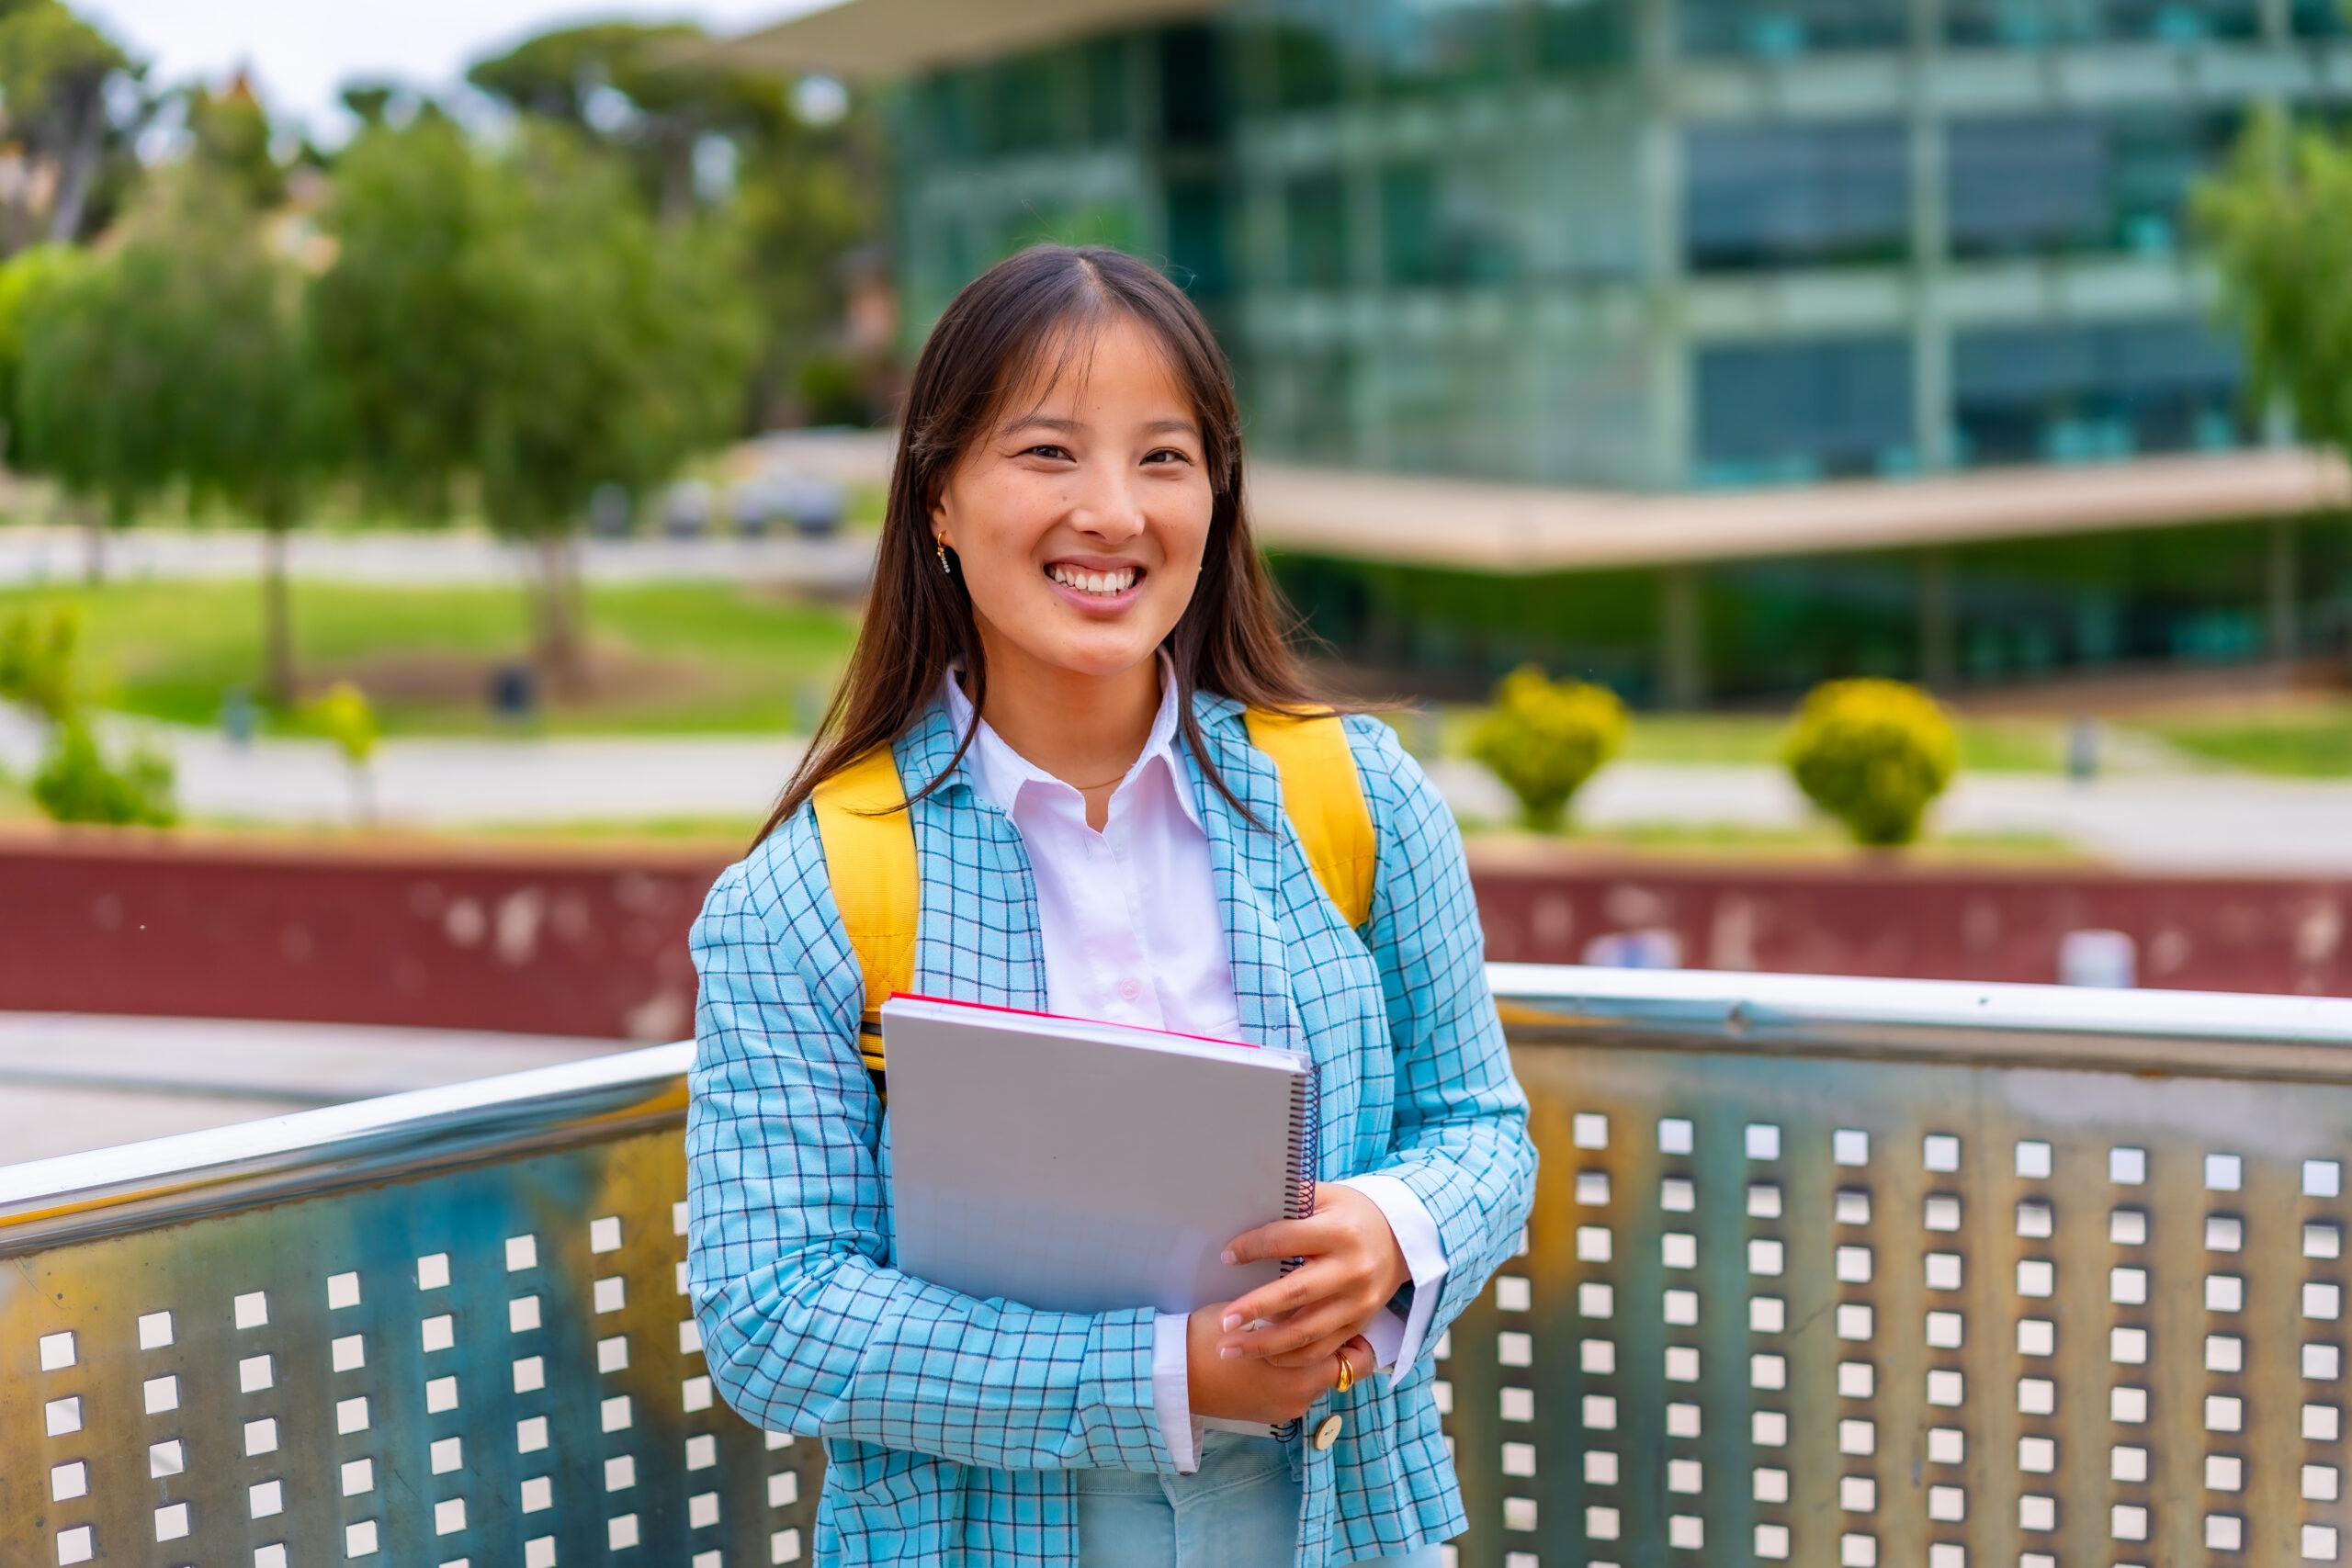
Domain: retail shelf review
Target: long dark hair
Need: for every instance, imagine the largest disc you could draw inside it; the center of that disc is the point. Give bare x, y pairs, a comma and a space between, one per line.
1232, 639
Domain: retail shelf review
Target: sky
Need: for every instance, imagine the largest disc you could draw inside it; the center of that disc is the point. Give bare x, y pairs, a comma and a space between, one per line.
301, 52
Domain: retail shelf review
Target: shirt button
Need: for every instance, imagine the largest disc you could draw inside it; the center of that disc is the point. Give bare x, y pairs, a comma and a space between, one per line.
1328, 1433
1130, 989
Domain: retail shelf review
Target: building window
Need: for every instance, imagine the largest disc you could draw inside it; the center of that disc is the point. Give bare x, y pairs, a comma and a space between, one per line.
1760, 196
2081, 392
1583, 35
1315, 231
1450, 222
2016, 24
1436, 46
2045, 184
1306, 44
1778, 28
2320, 18
1794, 412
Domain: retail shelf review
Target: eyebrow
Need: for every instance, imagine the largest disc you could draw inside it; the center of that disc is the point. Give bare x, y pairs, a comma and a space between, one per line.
1072, 426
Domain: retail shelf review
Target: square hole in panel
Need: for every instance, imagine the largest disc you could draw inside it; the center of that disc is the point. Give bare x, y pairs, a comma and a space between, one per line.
2036, 1277
611, 1293
2127, 1461
449, 1454
1518, 1513
1858, 1494
2127, 1287
2037, 1456
2224, 1232
1947, 1505
261, 1436
2128, 1345
1682, 1363
1768, 1428
2322, 1301
349, 1353
2035, 1220
612, 1354
615, 1413
154, 1330
1592, 1188
530, 1375
1858, 1552
1764, 1256
530, 1434
253, 1310
2321, 1362
432, 1271
2127, 1168
343, 1291
56, 1350
2223, 1412
2128, 1227
1767, 1314
166, 1458
358, 1477
2225, 1353
74, 1545
1601, 1523
2036, 1396
1516, 1405
1678, 1195
621, 1472
621, 1533
266, 1499
1681, 1308
1850, 1145
2037, 1337
448, 1517
60, 1416
67, 1481
1943, 1271
1771, 1484
1598, 1357
690, 1332
1679, 1249
1772, 1542
2323, 1241
1592, 1244
1853, 1265
1942, 1211
604, 1234
537, 1495
680, 1271
1590, 1130
171, 1522
1857, 1438
2128, 1405
522, 1314
2224, 1292
2033, 1159
1763, 1200
1595, 1298
359, 1539
702, 1451
1940, 1151
1768, 1372
1946, 1388
1947, 1445
253, 1375
351, 1414
1600, 1466
1519, 1459
2322, 1422
1684, 1532
539, 1551
2323, 1179
2223, 1173
438, 1333
2224, 1472
162, 1394
2037, 1513
1944, 1330
1674, 1136
2128, 1521
2319, 1543
1600, 1412
1857, 1379
1853, 1206
2319, 1482
440, 1394
1511, 1292
1682, 1419
1853, 1320
1763, 1141
1514, 1348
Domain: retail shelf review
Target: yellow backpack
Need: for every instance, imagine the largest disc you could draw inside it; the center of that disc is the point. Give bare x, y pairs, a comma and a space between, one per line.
870, 848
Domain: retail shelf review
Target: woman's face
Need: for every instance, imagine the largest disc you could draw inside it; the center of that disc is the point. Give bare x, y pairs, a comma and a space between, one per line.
1079, 521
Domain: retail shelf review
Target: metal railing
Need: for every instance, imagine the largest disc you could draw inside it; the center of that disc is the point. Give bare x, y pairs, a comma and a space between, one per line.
1822, 1271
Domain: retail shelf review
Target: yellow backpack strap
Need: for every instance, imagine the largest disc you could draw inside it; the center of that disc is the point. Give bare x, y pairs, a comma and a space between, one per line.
1324, 796
870, 857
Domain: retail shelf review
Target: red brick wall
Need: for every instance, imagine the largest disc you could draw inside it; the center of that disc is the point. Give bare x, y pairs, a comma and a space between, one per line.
563, 941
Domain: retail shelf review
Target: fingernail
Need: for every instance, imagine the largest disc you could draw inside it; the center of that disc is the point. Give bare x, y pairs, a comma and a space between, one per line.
1227, 1352
1232, 1321
1226, 1255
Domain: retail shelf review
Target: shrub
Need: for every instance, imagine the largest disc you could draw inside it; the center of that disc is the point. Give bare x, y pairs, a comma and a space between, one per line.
1544, 738
76, 784
1872, 754
344, 716
37, 660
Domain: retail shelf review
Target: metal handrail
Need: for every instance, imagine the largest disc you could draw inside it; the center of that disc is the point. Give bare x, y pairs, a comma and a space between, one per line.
76, 1197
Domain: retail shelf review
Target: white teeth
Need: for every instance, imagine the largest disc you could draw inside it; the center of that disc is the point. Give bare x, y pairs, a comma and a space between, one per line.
1104, 582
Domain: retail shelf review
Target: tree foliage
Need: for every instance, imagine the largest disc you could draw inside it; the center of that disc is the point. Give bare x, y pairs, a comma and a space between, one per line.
69, 99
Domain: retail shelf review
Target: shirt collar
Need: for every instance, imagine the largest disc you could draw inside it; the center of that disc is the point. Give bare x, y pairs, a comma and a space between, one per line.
1003, 773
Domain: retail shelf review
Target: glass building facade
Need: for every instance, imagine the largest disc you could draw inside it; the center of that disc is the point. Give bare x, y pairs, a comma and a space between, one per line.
1666, 245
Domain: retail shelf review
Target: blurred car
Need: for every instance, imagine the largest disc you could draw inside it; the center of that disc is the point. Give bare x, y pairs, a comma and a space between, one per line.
612, 512
754, 504
685, 510
814, 505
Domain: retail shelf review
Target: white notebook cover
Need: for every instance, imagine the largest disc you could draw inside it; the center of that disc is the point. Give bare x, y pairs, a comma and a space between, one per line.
1076, 1166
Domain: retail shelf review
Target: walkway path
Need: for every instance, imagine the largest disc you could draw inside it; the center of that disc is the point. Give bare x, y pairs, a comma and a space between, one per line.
2222, 821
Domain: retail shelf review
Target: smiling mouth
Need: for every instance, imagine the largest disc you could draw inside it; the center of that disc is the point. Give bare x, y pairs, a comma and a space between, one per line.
1105, 584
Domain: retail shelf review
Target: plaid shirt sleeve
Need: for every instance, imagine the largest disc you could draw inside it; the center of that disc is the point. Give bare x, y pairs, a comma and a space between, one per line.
1461, 1145
806, 1326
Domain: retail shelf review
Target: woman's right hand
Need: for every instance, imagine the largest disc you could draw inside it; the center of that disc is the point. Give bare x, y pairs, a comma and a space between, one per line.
1249, 1388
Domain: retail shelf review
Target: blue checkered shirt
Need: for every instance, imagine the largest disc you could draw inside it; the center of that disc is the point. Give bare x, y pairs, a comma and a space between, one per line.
952, 1424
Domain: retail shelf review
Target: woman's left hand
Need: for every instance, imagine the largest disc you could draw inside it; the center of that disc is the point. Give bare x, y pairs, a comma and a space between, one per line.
1353, 1265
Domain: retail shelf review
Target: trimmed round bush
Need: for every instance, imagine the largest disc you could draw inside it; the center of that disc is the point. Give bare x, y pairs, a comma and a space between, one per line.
1874, 754
1544, 738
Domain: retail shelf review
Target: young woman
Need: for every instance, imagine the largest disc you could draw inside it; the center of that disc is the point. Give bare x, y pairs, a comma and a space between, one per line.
1067, 621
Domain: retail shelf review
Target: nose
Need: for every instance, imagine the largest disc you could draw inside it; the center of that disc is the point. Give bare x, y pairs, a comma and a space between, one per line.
1105, 504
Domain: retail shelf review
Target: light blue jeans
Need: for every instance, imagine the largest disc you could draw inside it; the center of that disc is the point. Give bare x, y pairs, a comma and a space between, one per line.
1239, 1510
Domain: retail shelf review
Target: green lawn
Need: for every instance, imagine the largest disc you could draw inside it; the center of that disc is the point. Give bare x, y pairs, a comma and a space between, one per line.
2306, 742
1985, 745
671, 658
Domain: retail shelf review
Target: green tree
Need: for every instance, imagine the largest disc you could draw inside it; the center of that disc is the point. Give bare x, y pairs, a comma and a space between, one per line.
26, 279
230, 132
63, 104
1872, 753
514, 320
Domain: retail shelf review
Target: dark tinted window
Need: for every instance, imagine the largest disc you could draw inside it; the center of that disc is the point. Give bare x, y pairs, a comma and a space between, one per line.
2081, 392
1805, 411
1772, 29
1771, 196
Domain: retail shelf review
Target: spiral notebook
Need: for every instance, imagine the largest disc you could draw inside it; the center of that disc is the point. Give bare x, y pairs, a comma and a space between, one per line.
1076, 1166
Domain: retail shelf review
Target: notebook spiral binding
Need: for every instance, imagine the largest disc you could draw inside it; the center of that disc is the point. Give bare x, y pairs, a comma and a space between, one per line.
1306, 1121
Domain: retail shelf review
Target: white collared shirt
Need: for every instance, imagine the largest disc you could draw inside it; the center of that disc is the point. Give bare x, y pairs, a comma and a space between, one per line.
1133, 933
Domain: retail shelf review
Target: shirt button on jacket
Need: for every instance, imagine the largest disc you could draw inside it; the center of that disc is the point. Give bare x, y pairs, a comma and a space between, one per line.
1329, 1432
